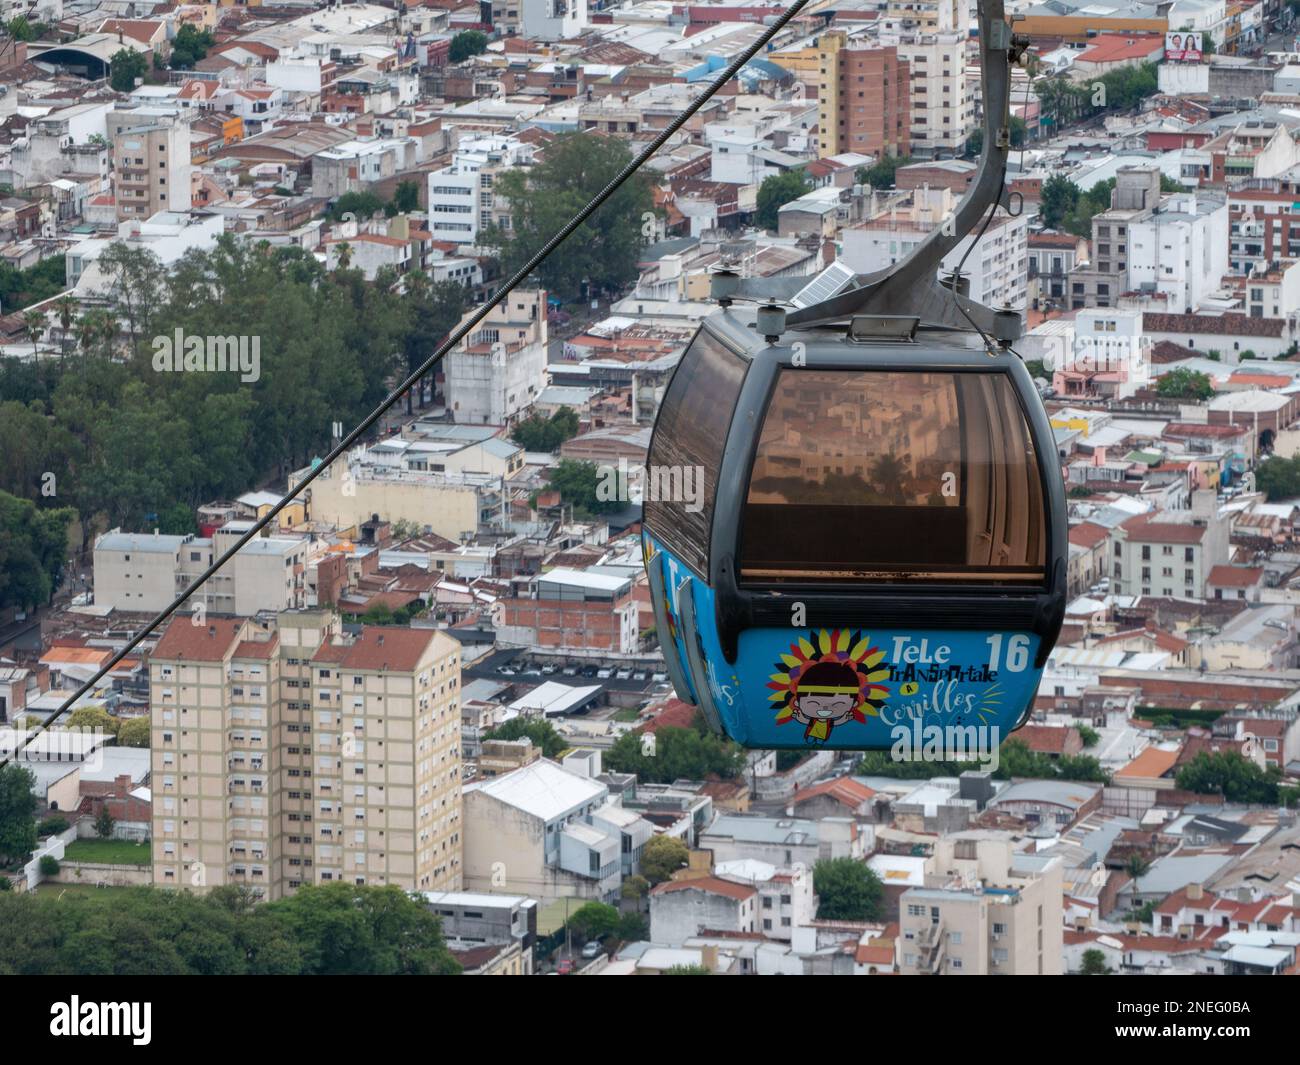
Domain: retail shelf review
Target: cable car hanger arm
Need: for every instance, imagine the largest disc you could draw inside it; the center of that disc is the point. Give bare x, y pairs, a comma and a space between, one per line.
911, 287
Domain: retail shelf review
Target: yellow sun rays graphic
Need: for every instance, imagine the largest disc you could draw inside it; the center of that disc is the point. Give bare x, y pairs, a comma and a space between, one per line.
830, 662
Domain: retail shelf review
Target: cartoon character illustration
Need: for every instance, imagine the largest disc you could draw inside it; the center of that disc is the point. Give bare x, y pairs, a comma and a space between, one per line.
829, 678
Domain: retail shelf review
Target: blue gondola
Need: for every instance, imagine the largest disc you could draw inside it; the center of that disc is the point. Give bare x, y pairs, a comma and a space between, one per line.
875, 539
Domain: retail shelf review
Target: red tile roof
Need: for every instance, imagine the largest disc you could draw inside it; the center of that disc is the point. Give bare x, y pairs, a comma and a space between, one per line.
847, 792
1046, 739
1235, 576
1144, 529
711, 884
1113, 49
199, 643
1088, 534
382, 647
263, 649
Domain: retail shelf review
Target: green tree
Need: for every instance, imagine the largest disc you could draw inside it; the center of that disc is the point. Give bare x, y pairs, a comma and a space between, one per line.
881, 174
847, 890
331, 929
633, 927
661, 857
1060, 197
21, 288
583, 485
432, 310
775, 192
362, 205
93, 717
465, 44
635, 887
344, 929
134, 732
104, 823
538, 433
1278, 477
52, 826
33, 551
1182, 383
17, 814
1137, 867
189, 46
594, 920
1228, 774
21, 29
676, 753
603, 251
48, 865
124, 67
1094, 963
1089, 736
540, 731
687, 970
406, 197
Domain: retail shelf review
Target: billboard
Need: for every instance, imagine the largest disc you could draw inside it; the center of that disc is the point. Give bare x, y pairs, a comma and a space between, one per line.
1183, 47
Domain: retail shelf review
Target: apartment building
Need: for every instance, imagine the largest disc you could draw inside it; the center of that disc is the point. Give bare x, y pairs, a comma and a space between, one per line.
996, 270
452, 505
355, 165
152, 169
1051, 257
461, 198
552, 20
498, 371
1179, 252
145, 572
864, 103
943, 108
1169, 554
1102, 281
1263, 224
285, 753
984, 910
548, 833
567, 608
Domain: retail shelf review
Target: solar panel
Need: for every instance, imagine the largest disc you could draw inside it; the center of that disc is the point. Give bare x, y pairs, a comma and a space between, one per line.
828, 283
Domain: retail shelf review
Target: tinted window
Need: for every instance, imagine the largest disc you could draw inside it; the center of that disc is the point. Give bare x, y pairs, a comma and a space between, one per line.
689, 437
891, 476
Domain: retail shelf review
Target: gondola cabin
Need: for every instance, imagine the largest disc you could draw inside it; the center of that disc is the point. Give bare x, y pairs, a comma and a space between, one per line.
875, 537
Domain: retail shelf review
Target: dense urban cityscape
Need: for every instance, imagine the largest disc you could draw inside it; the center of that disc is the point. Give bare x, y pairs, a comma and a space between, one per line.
422, 721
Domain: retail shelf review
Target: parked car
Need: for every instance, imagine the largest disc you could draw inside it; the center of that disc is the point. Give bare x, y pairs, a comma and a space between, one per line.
565, 967
592, 949
624, 674
603, 674
570, 671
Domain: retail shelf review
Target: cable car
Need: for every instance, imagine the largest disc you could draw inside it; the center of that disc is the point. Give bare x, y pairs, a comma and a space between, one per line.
854, 519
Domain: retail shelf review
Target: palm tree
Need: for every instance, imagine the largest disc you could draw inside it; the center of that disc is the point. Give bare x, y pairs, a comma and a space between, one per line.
1137, 867
87, 333
344, 255
417, 293
34, 324
66, 307
891, 477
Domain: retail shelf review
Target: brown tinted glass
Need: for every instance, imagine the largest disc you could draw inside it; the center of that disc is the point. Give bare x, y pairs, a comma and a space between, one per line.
894, 476
688, 442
